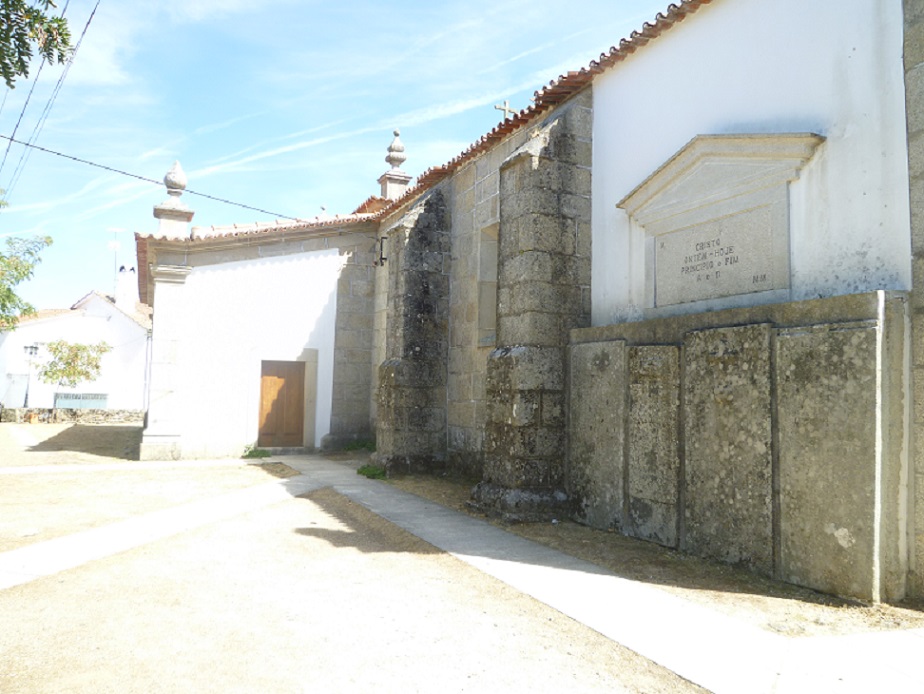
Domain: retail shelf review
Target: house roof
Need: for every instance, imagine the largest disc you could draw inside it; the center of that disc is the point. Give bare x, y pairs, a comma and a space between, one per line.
42, 314
375, 208
141, 315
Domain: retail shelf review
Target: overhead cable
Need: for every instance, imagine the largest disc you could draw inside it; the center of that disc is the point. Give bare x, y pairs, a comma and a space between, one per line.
24, 157
145, 178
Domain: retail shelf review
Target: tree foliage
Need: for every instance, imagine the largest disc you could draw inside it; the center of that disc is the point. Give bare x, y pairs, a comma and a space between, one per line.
72, 363
17, 265
26, 25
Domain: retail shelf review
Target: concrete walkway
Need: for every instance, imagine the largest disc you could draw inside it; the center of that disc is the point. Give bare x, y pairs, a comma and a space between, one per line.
703, 646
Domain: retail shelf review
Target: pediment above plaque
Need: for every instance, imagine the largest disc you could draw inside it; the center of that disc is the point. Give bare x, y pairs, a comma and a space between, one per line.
716, 216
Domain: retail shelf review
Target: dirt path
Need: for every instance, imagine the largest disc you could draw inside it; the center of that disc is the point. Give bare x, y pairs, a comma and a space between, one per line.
310, 594
777, 607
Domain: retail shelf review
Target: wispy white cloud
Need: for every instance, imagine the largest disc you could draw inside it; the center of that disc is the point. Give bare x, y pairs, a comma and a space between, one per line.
143, 191
221, 125
109, 41
51, 203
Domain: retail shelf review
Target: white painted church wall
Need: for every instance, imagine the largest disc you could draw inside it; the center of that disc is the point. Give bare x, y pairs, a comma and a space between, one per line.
832, 67
237, 315
122, 375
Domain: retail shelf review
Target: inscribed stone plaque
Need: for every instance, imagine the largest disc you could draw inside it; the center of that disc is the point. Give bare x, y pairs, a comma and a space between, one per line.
727, 439
598, 411
716, 216
653, 457
739, 254
827, 398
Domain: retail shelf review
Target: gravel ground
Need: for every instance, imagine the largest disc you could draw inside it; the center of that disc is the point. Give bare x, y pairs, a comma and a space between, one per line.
778, 607
310, 594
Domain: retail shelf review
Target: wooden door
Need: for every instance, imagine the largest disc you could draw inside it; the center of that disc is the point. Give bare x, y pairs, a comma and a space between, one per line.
282, 404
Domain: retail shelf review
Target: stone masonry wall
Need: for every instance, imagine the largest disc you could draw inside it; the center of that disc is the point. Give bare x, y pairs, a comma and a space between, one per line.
473, 302
750, 436
63, 415
542, 293
914, 105
351, 418
411, 407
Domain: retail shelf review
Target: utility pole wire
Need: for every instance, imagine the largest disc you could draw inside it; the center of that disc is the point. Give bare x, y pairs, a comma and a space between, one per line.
145, 179
24, 157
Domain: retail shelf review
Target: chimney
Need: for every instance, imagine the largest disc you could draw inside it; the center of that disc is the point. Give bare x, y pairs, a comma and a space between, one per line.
395, 181
126, 294
173, 214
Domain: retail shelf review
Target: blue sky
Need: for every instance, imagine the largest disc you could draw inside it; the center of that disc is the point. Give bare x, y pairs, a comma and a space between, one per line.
283, 105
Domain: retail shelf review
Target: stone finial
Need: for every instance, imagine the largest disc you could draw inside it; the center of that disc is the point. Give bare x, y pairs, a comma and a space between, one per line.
394, 182
173, 213
175, 180
396, 156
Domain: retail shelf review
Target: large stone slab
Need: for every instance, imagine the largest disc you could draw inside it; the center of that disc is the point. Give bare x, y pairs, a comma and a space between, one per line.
827, 402
728, 435
653, 475
598, 424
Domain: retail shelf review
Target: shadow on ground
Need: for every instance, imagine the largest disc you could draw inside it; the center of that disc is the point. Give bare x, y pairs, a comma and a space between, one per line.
110, 441
364, 531
774, 605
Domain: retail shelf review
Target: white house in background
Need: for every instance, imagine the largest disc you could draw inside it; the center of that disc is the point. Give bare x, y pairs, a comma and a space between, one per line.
120, 322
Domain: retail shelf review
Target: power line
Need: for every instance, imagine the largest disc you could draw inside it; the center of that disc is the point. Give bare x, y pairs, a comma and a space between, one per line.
28, 99
24, 157
22, 113
145, 178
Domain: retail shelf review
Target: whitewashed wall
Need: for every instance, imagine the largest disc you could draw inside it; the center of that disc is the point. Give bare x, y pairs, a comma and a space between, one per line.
833, 67
236, 315
122, 376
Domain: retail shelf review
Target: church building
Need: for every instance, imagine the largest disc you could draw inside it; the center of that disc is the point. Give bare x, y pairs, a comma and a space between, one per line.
676, 297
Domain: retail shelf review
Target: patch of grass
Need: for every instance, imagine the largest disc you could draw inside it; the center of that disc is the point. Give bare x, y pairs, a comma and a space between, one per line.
373, 472
254, 452
360, 446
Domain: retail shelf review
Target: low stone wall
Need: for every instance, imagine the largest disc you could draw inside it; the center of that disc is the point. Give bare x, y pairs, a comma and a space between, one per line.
63, 415
772, 437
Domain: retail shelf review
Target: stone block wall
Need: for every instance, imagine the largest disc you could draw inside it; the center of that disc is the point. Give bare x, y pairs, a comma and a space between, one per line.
728, 471
411, 406
19, 415
542, 293
914, 106
786, 452
473, 302
351, 415
653, 486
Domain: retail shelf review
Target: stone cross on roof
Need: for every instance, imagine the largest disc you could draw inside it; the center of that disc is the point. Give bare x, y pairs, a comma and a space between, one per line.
508, 112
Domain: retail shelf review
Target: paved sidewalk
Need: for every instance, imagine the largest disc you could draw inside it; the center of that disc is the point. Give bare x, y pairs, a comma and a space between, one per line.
703, 646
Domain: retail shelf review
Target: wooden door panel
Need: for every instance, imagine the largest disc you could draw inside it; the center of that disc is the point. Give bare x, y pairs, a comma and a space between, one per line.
282, 399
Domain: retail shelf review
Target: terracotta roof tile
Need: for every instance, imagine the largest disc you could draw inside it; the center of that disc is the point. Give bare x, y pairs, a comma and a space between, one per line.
372, 204
42, 314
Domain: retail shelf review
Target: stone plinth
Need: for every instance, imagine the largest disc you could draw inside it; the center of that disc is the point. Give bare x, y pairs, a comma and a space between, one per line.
598, 433
827, 434
653, 468
728, 438
791, 457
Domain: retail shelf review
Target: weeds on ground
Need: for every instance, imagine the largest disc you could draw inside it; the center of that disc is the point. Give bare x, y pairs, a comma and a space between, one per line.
254, 452
373, 472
